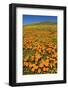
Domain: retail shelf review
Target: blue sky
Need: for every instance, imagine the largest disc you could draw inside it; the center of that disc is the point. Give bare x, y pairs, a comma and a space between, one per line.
28, 19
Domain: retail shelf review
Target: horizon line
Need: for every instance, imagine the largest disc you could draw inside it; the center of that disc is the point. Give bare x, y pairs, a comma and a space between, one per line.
41, 22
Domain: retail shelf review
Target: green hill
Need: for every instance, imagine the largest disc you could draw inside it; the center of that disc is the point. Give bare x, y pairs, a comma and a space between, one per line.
42, 26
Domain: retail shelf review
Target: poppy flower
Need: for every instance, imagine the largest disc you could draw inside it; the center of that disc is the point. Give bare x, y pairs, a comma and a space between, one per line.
41, 65
39, 70
32, 69
30, 65
26, 64
46, 63
32, 58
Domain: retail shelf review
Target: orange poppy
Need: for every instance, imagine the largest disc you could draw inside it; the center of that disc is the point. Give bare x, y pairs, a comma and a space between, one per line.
39, 70
26, 64
30, 65
33, 65
32, 69
32, 58
36, 67
46, 63
44, 69
48, 50
43, 62
37, 56
41, 65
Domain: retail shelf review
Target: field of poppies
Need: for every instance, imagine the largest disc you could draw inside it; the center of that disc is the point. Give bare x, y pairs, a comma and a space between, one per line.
40, 48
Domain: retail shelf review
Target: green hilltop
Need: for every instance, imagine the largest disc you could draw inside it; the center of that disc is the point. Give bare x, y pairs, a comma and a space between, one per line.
41, 23
50, 26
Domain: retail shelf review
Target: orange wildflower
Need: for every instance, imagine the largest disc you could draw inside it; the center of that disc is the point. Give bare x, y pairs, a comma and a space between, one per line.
33, 65
47, 69
43, 62
32, 69
36, 67
26, 64
39, 70
30, 65
37, 56
32, 58
41, 65
44, 69
46, 62
48, 50
54, 55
